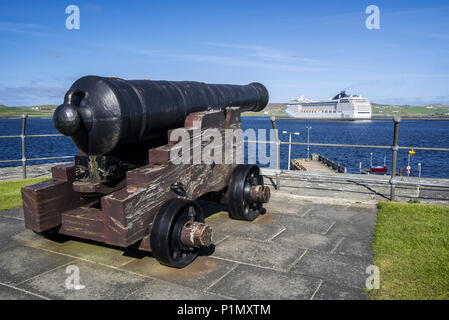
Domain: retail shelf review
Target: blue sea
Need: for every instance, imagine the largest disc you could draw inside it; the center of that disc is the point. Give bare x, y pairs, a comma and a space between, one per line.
411, 133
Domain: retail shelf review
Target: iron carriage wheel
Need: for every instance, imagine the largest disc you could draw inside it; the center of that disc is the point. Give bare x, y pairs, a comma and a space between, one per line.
242, 203
166, 244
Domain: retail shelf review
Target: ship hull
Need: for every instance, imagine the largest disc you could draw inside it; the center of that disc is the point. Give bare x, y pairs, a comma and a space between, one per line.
341, 106
326, 115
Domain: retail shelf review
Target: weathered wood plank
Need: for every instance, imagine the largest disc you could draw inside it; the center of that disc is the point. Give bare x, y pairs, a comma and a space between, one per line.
84, 222
64, 172
44, 202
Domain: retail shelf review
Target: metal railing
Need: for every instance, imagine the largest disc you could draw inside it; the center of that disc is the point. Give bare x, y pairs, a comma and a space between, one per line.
332, 164
394, 147
23, 136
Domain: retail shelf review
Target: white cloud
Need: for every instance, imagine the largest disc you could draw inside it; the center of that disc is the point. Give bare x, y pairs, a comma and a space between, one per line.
30, 95
258, 57
23, 28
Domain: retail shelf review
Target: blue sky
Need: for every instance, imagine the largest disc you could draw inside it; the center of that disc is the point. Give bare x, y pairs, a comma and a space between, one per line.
311, 48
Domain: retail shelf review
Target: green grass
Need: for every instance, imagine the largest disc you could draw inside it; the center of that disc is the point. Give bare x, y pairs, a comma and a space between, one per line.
271, 111
411, 249
410, 111
377, 109
16, 112
10, 195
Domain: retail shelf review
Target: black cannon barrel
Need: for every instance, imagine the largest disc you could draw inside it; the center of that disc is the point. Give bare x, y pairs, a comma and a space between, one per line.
104, 114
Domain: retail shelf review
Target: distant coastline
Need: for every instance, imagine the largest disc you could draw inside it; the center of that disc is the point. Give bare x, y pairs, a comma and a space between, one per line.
277, 109
42, 111
378, 110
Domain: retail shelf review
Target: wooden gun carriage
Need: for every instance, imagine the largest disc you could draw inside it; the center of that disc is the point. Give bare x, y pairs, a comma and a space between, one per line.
123, 189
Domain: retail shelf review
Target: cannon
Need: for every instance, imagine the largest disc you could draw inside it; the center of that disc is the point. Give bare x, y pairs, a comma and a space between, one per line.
123, 188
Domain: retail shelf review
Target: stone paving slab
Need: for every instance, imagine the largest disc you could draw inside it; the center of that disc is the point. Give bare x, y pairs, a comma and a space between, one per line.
200, 274
13, 213
355, 247
11, 293
100, 283
331, 291
346, 270
340, 213
10, 227
159, 290
19, 263
357, 228
312, 241
299, 224
222, 224
92, 251
263, 254
36, 240
267, 226
248, 282
287, 206
296, 250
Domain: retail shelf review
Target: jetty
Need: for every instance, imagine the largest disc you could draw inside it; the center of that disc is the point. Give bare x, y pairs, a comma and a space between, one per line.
317, 163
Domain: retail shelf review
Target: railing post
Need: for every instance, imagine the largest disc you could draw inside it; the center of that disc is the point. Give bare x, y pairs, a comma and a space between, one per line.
22, 136
278, 152
395, 149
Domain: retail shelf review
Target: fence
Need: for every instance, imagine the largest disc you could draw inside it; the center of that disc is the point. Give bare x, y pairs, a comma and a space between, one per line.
394, 147
332, 164
23, 136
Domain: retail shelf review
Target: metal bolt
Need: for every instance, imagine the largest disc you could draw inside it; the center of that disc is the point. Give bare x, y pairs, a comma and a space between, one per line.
196, 234
260, 194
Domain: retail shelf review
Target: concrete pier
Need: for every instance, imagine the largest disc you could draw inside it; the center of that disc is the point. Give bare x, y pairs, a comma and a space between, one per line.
310, 165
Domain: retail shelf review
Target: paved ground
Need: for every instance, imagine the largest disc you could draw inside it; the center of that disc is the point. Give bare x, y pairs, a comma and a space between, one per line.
296, 250
33, 171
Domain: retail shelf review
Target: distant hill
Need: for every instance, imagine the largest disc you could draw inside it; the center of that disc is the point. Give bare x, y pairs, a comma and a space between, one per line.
42, 111
435, 110
273, 108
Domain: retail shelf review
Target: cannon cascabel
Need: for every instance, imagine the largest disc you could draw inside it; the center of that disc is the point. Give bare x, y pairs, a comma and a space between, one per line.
103, 114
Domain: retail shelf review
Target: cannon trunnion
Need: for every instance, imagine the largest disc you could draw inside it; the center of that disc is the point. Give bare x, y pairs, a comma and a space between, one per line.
123, 189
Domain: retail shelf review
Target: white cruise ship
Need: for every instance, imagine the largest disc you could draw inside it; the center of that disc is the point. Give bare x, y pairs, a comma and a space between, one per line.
340, 106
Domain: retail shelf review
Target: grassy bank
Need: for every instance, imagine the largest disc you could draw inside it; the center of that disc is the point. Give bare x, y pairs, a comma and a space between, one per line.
45, 111
410, 111
278, 109
411, 248
10, 196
